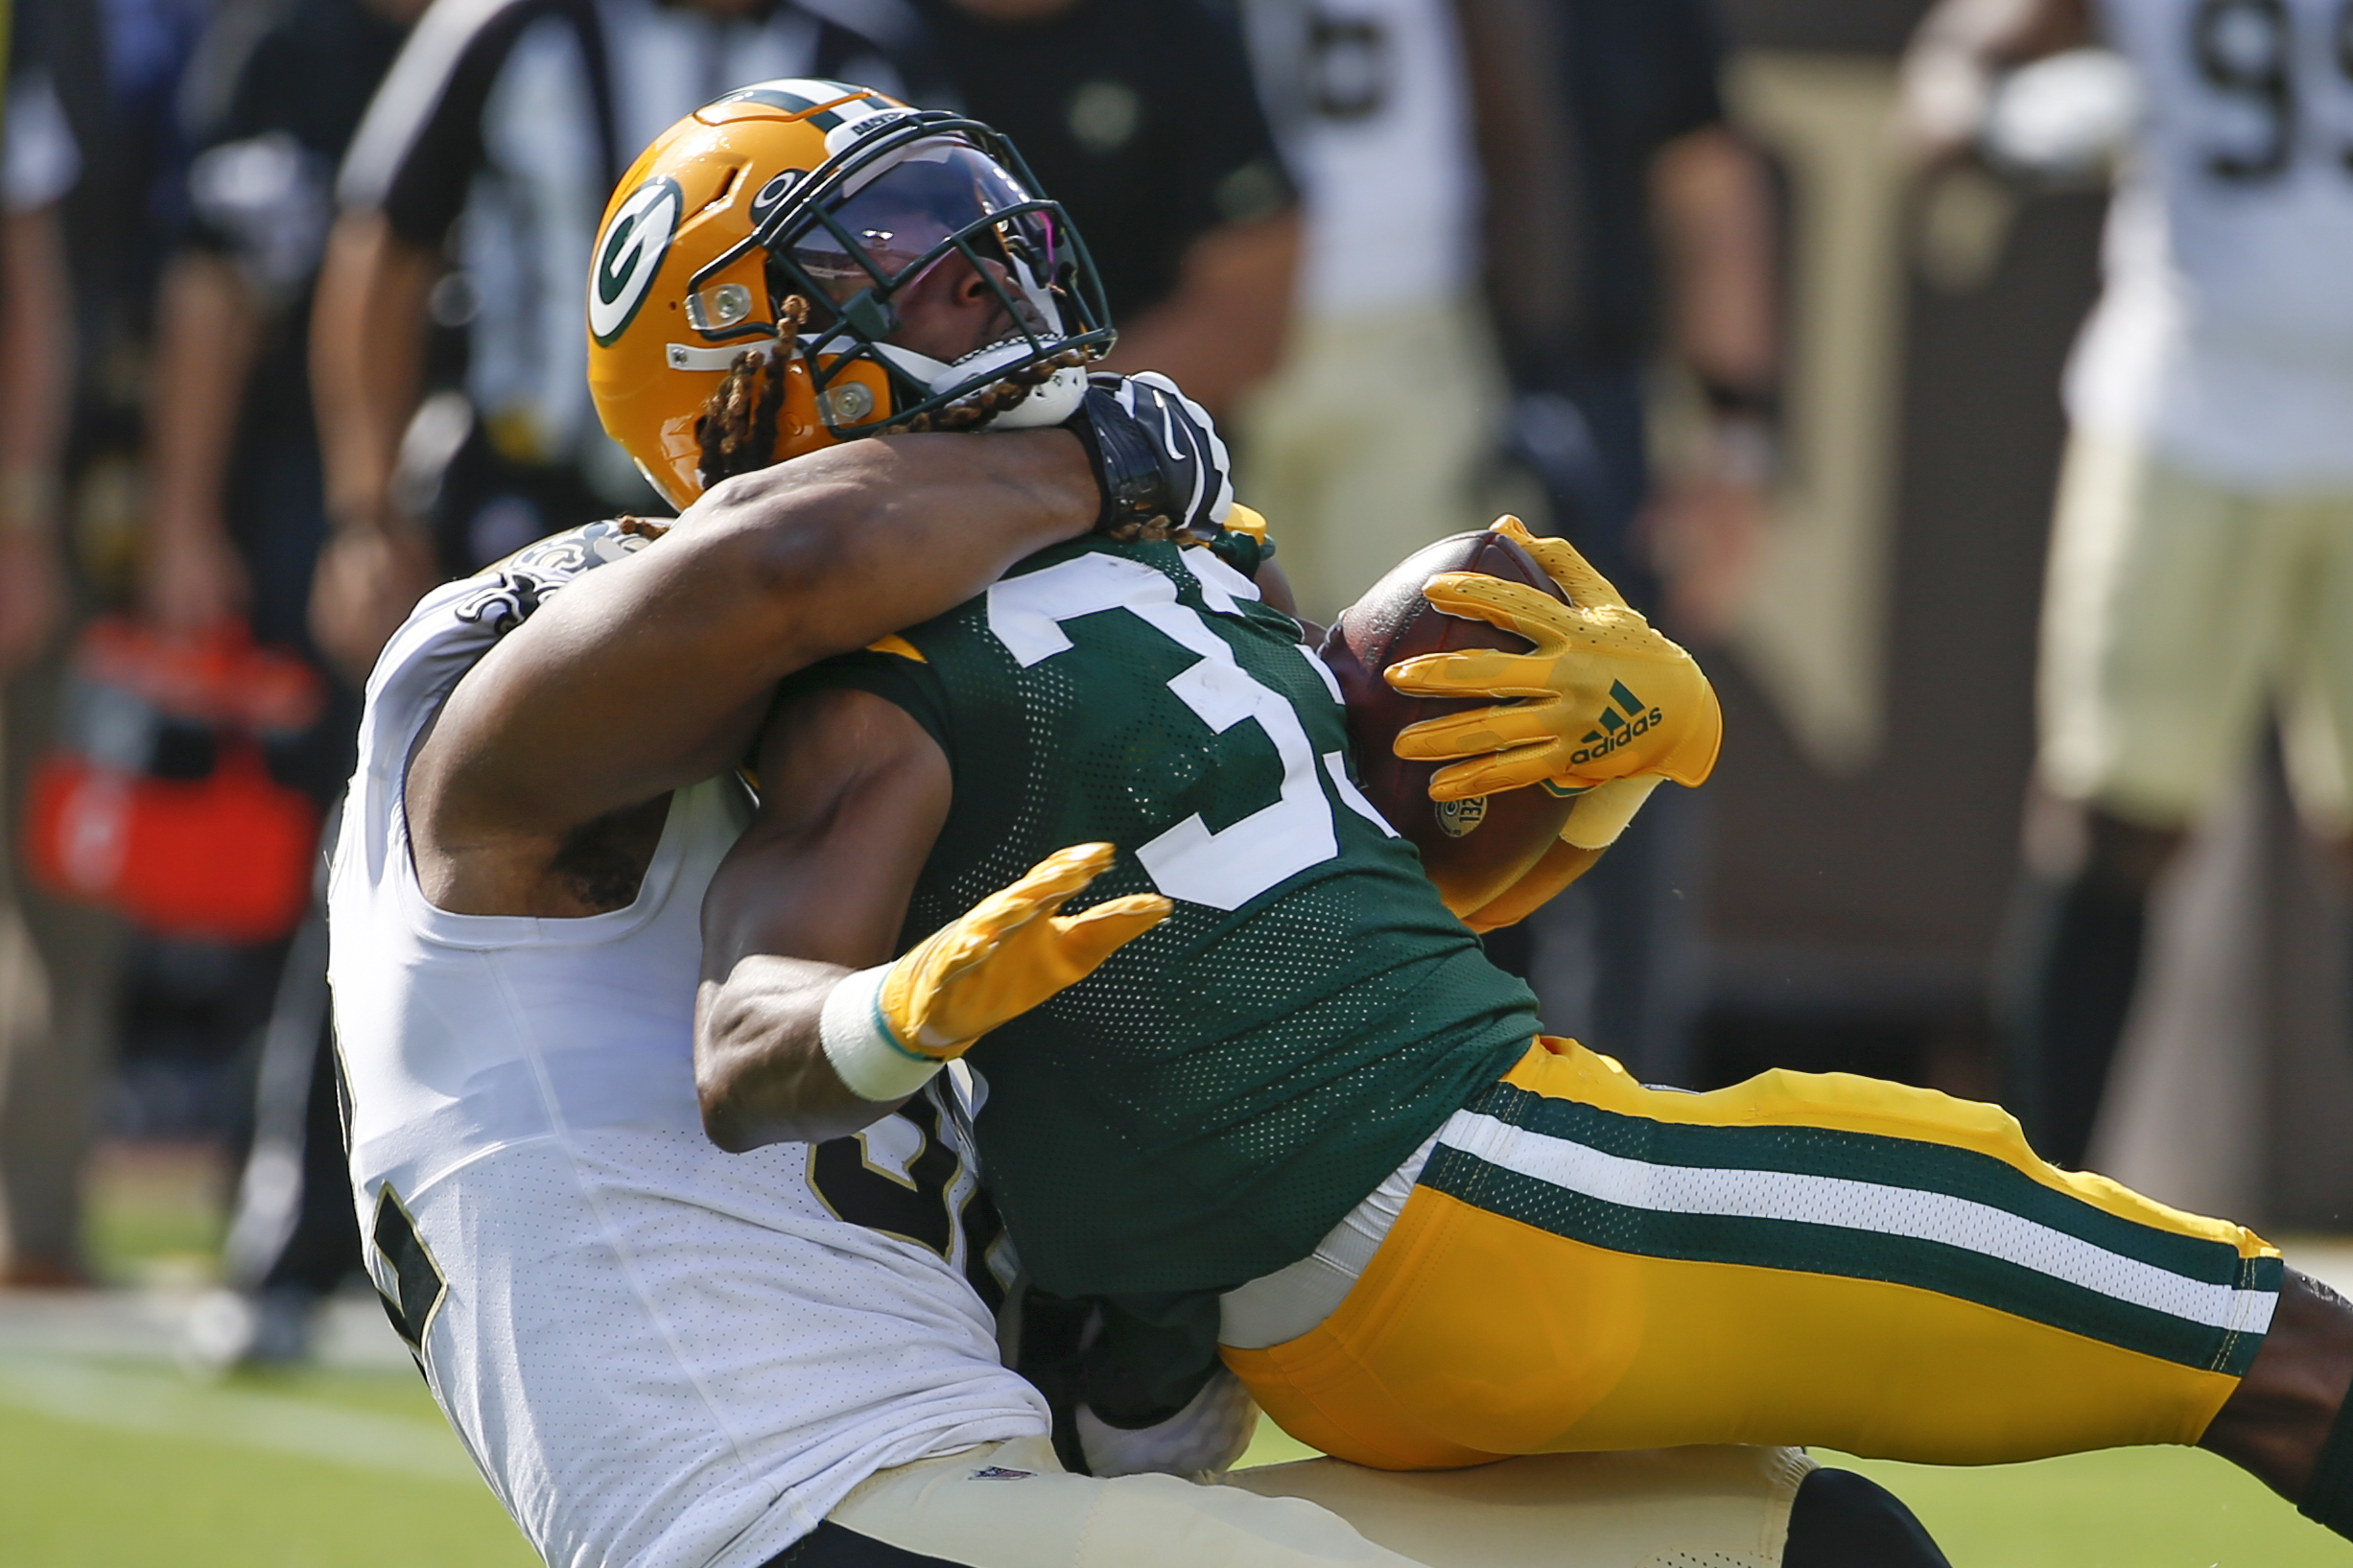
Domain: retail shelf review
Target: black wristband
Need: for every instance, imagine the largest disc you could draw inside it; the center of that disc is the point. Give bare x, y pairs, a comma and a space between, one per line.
1134, 486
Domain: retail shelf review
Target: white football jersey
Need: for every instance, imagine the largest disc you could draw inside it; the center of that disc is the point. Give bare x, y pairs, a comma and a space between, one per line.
1368, 99
2224, 339
659, 1353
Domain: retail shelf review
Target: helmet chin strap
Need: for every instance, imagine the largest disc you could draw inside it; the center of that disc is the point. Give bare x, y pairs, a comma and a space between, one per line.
1049, 403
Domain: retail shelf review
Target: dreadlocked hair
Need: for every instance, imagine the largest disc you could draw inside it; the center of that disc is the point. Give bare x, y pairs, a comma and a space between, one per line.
1149, 531
738, 427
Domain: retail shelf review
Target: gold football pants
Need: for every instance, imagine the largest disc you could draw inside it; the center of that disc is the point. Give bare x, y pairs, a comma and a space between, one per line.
1588, 1264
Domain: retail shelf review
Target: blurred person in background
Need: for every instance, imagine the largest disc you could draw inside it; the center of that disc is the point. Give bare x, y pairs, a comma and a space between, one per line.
2200, 574
1141, 117
1365, 446
56, 959
469, 198
236, 518
1625, 222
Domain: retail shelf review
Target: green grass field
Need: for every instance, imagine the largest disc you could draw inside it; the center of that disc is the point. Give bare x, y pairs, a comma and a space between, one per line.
110, 1456
105, 1463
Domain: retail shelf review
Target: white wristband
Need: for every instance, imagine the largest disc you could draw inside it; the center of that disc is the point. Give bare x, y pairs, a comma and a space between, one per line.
864, 1053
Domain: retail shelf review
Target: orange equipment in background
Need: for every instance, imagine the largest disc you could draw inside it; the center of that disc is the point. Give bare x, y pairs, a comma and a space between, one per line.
160, 805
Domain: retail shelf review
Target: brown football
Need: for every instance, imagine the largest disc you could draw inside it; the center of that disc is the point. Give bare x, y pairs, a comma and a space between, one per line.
1472, 850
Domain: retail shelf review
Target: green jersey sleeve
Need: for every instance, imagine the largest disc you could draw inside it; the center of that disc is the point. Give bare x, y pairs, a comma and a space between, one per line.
901, 678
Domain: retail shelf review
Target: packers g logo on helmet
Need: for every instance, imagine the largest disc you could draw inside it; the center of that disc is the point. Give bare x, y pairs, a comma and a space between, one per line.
629, 255
782, 220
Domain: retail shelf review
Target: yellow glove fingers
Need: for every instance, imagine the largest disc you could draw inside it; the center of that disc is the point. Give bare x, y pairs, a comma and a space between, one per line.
1053, 881
1513, 607
1060, 875
1001, 959
1585, 587
1474, 673
1093, 935
1612, 630
1456, 736
1516, 769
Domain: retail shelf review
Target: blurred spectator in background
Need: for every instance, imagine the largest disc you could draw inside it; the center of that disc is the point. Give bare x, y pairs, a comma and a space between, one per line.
1141, 118
2200, 573
235, 512
1366, 445
517, 117
1625, 220
236, 517
57, 966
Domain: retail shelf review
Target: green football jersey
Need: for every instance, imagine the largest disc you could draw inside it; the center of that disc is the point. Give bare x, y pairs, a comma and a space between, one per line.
1207, 1105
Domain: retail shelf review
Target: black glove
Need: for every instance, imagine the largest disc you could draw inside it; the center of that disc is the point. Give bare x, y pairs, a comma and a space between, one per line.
1156, 455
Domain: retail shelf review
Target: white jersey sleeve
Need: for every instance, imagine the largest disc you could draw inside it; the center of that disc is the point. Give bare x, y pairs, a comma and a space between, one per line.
2223, 341
659, 1353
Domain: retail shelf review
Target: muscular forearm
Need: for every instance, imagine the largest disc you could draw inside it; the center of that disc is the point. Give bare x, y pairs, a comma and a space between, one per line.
35, 348
655, 672
368, 355
760, 1065
204, 340
815, 890
1715, 225
33, 351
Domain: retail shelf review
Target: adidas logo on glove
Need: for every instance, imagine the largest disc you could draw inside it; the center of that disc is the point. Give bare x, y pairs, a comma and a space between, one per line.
1615, 728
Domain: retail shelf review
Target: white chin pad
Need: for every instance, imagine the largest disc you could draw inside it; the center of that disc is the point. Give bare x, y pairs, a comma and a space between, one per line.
979, 362
1049, 403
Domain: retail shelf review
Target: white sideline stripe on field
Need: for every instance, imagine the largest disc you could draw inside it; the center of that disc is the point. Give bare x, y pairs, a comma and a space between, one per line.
167, 1404
1855, 1206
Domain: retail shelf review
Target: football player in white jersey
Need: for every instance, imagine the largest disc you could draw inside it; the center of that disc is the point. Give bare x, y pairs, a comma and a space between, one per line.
657, 1352
660, 1353
2201, 571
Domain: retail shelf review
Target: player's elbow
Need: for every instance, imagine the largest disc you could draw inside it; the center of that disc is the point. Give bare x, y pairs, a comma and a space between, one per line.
724, 1085
737, 1116
724, 1123
726, 1092
760, 1078
739, 1119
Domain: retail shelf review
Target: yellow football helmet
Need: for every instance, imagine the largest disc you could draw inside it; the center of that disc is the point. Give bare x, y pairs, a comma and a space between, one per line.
782, 220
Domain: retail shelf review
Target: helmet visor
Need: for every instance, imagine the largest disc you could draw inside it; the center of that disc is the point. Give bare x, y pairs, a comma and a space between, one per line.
912, 216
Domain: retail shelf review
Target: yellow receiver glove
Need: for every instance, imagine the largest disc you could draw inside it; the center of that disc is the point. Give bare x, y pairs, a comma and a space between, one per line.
887, 1030
1009, 952
1602, 695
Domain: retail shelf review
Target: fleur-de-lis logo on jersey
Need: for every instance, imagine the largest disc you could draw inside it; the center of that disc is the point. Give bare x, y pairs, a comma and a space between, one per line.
629, 253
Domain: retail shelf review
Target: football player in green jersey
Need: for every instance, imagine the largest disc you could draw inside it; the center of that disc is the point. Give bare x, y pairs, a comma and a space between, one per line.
1263, 1097
1265, 1094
